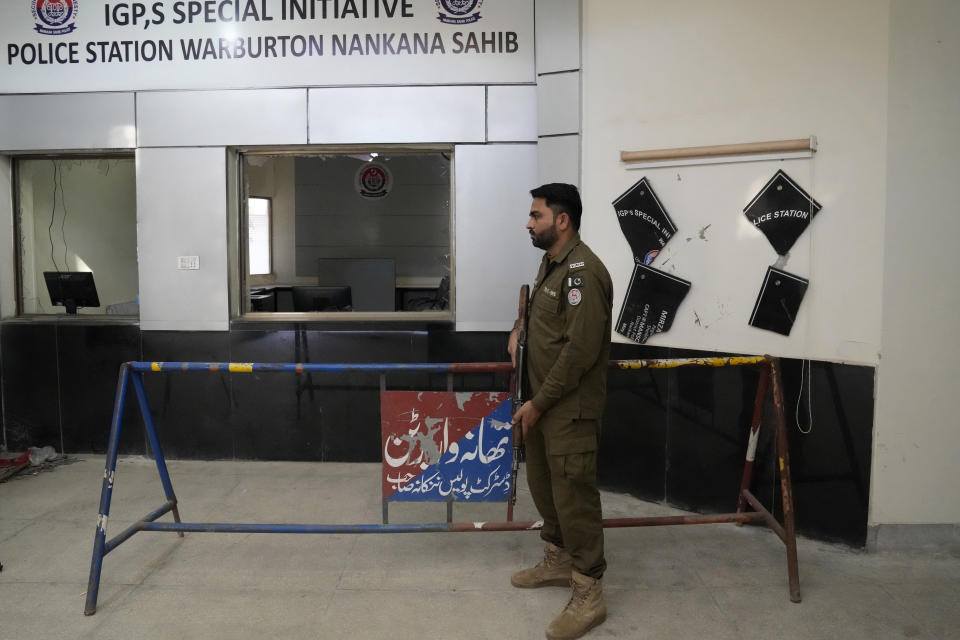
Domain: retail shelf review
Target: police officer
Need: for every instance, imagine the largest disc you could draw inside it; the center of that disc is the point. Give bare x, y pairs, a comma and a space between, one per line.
568, 350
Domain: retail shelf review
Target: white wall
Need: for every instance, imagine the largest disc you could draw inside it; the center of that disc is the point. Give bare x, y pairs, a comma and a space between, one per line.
493, 250
558, 35
8, 295
558, 90
658, 75
917, 431
347, 115
181, 211
79, 121
410, 225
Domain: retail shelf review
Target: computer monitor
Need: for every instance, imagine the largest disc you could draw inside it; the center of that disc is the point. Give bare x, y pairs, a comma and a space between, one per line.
313, 298
71, 289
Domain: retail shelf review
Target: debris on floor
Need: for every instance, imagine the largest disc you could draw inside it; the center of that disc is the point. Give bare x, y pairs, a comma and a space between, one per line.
35, 460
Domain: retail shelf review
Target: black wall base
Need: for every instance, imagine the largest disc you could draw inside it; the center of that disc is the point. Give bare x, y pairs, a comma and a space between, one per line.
676, 436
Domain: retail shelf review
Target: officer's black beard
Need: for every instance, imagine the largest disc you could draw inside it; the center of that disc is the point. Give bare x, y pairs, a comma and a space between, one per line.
546, 239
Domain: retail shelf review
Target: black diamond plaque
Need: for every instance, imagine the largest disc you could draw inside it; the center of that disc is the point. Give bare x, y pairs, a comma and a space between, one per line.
782, 211
778, 301
651, 303
644, 221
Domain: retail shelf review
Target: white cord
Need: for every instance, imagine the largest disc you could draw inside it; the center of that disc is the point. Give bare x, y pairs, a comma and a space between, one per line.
813, 181
807, 364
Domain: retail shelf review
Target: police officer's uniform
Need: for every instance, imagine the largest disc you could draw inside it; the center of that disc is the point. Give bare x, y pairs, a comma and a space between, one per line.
568, 347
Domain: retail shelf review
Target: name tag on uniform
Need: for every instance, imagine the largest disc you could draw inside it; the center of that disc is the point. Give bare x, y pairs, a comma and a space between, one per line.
577, 265
550, 292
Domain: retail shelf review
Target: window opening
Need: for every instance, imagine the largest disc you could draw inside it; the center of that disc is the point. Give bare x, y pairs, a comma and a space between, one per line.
258, 235
76, 235
352, 231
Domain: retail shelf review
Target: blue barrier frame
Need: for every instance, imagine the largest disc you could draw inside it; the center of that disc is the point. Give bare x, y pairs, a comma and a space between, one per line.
131, 374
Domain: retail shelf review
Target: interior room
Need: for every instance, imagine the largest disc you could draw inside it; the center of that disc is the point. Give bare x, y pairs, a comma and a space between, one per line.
374, 224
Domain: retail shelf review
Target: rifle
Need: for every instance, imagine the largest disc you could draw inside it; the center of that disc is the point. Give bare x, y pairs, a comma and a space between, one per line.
517, 382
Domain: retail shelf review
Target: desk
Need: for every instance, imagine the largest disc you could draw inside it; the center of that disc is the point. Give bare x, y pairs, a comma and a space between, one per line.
411, 294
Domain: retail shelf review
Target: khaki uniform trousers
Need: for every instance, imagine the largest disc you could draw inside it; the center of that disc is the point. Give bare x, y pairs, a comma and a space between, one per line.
562, 476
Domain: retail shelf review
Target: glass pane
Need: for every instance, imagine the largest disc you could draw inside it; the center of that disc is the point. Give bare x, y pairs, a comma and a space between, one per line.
367, 231
77, 215
258, 225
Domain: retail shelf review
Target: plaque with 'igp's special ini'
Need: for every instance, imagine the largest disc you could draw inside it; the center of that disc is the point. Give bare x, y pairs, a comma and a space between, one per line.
644, 222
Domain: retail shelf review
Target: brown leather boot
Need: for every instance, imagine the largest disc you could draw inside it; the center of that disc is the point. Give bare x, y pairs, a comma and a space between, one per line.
553, 571
584, 611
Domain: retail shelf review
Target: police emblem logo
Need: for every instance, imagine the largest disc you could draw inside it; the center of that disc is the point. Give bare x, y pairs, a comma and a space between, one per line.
373, 180
458, 11
574, 297
54, 17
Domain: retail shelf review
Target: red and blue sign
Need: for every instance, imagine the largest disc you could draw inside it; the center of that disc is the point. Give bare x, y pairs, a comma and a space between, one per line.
54, 17
445, 446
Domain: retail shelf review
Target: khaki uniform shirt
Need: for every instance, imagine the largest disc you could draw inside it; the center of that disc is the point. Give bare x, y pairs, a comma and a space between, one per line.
568, 337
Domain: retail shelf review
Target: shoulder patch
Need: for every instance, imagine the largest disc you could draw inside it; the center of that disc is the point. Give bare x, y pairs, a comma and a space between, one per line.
577, 265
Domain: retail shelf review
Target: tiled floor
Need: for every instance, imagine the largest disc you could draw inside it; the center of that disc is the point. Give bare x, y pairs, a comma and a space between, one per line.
709, 582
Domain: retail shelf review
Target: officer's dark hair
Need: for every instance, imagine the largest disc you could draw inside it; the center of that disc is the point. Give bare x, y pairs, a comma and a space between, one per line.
561, 198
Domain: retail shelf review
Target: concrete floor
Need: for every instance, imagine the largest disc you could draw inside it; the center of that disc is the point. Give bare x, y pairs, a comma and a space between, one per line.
709, 582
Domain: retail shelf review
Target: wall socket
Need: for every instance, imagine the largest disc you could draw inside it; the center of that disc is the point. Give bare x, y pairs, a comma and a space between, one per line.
188, 262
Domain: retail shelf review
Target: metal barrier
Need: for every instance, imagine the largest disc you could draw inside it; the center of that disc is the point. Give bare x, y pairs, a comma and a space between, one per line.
131, 373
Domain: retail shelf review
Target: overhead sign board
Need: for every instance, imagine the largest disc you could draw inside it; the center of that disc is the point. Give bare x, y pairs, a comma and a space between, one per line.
52, 46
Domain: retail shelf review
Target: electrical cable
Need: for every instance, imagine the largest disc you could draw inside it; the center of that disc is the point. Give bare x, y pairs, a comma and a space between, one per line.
805, 364
53, 213
796, 415
809, 364
63, 222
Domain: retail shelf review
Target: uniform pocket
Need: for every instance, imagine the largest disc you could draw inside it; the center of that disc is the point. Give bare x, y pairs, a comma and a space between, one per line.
579, 444
546, 303
580, 466
546, 324
570, 436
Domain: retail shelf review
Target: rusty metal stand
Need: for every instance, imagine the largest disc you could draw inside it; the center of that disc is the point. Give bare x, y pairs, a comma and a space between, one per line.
787, 531
769, 377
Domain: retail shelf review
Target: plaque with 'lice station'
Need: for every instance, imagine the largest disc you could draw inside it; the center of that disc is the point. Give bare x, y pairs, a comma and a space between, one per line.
782, 211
